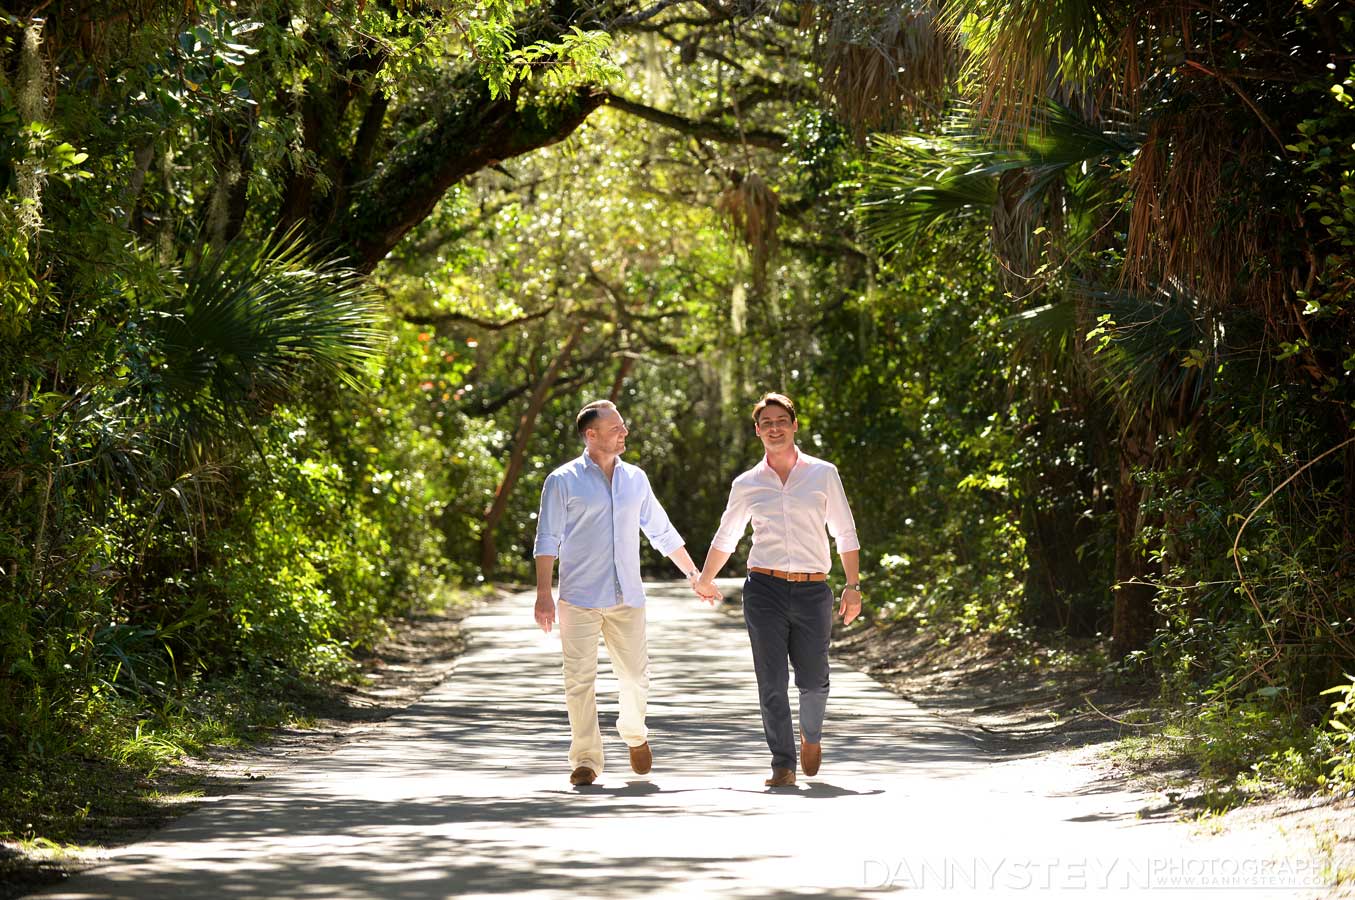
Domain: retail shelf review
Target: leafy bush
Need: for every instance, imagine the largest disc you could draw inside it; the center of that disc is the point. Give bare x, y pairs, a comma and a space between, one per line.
1340, 736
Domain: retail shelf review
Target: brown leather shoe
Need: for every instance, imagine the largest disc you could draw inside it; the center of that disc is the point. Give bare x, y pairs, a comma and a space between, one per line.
641, 759
781, 778
582, 775
810, 757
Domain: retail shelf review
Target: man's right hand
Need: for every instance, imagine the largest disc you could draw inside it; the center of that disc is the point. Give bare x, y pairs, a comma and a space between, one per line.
707, 591
545, 611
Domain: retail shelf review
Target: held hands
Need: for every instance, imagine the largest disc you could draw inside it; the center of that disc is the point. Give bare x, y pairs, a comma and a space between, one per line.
850, 607
545, 610
706, 590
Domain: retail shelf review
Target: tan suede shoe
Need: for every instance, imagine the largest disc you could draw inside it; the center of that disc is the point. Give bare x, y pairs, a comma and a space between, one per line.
641, 759
781, 778
810, 757
582, 775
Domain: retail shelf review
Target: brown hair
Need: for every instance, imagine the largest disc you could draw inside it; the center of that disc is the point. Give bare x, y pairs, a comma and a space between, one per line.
772, 398
584, 420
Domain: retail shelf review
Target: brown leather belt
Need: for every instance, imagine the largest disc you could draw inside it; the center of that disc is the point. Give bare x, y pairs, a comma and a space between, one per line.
789, 576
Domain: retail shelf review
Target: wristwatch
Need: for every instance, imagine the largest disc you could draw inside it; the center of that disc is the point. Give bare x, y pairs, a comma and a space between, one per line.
855, 586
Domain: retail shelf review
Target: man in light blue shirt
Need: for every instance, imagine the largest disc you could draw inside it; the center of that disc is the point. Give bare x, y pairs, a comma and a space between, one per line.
592, 512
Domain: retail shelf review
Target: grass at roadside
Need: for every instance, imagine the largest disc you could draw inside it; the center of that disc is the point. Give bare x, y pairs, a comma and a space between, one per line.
1218, 758
121, 767
114, 769
1033, 689
1209, 750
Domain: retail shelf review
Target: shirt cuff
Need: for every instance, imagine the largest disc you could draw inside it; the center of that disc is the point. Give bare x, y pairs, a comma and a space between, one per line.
668, 543
547, 545
847, 542
724, 544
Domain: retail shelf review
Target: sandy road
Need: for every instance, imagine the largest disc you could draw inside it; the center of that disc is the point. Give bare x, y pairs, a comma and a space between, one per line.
465, 794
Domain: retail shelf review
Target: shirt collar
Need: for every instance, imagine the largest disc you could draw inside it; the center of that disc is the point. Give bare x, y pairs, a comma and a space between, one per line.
589, 461
767, 466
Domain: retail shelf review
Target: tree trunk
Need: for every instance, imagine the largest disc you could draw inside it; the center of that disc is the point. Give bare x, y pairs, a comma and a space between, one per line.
1348, 511
521, 438
622, 373
1134, 619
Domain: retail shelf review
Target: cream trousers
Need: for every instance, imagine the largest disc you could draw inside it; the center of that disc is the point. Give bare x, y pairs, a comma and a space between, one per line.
623, 628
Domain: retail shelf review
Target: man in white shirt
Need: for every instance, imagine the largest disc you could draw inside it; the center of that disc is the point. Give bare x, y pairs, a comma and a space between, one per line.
592, 512
787, 605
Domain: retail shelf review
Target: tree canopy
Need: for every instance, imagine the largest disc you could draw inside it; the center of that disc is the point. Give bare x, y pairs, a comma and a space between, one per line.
298, 299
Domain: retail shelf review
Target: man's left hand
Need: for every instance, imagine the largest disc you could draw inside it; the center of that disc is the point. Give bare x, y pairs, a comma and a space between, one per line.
850, 607
706, 590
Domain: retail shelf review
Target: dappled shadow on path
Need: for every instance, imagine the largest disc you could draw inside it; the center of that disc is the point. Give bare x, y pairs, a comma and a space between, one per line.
810, 791
293, 844
414, 869
703, 713
466, 792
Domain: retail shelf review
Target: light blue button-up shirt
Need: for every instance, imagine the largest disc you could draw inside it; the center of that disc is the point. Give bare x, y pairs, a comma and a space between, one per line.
593, 526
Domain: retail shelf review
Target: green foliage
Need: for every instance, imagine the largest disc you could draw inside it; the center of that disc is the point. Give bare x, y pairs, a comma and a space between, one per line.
202, 74
1239, 747
1341, 733
578, 58
495, 33
1253, 735
1327, 157
1183, 321
944, 544
1095, 335
250, 319
284, 559
60, 790
222, 465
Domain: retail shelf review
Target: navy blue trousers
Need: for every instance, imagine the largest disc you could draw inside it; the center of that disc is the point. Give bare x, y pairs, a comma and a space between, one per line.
789, 620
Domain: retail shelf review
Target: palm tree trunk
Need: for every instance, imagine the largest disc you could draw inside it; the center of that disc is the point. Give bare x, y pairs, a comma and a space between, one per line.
1133, 618
521, 438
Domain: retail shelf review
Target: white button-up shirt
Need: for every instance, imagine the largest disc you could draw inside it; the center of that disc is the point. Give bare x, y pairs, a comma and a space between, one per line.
593, 526
788, 519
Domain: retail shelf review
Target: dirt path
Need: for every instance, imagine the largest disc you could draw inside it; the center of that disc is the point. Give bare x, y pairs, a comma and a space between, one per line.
465, 794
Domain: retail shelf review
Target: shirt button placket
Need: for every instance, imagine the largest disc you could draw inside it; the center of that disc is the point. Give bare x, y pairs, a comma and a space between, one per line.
616, 568
785, 528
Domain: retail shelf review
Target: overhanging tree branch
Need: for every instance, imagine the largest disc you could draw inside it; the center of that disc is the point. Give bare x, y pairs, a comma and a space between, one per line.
447, 318
489, 407
765, 91
644, 15
712, 131
476, 133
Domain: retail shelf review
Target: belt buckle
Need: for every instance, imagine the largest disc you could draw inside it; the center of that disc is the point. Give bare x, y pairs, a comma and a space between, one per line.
796, 576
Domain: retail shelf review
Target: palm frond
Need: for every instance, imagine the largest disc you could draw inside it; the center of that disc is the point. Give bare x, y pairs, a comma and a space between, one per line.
1060, 137
913, 182
1152, 350
1051, 322
1045, 342
1022, 52
1185, 224
252, 319
885, 61
751, 208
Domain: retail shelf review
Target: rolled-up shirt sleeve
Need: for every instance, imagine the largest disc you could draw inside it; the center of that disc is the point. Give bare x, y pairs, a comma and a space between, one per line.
550, 521
654, 522
733, 523
841, 525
